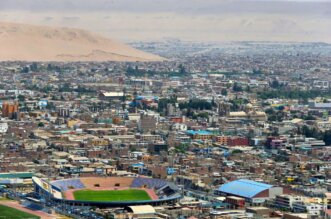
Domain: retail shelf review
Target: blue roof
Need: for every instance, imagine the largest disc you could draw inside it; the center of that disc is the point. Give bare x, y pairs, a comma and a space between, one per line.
138, 164
244, 188
171, 171
200, 132
147, 97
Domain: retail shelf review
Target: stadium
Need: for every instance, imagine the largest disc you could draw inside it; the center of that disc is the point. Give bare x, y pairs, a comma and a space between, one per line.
108, 191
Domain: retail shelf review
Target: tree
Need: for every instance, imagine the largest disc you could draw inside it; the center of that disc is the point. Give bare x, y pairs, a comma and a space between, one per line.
248, 89
236, 87
162, 103
49, 67
25, 69
196, 104
312, 132
189, 113
21, 98
257, 71
135, 71
182, 69
237, 151
303, 95
327, 137
50, 106
34, 67
270, 111
224, 92
203, 115
275, 84
65, 88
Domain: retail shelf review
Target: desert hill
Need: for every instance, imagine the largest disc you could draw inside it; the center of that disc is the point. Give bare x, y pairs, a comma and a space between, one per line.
23, 42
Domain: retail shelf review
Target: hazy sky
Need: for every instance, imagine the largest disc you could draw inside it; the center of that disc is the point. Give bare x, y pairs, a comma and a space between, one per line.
199, 20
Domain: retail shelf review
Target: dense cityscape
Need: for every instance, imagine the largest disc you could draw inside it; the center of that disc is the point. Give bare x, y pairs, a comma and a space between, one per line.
233, 130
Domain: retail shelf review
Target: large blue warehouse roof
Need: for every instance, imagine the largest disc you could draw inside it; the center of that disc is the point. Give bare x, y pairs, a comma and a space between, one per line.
244, 188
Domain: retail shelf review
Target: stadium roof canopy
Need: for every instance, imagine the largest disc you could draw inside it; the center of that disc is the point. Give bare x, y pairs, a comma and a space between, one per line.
244, 188
17, 175
142, 209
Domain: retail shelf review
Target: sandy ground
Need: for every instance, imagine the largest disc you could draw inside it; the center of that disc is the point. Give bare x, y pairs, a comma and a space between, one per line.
40, 43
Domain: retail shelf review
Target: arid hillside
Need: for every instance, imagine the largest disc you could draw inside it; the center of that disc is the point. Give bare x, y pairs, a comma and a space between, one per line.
23, 42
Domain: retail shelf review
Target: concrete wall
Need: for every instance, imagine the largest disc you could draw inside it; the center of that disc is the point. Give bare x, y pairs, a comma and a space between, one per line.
275, 191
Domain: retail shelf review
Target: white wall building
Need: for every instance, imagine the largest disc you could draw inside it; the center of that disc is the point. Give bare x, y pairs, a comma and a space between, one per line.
3, 127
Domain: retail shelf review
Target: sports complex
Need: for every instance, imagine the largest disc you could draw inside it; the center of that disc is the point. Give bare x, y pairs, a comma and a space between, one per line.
108, 191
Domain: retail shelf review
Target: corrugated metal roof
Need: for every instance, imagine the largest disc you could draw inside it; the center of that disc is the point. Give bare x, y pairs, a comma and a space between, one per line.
13, 175
244, 188
142, 209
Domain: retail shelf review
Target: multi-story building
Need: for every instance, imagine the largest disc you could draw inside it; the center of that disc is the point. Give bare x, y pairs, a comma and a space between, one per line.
286, 201
64, 112
310, 208
200, 135
223, 140
147, 123
232, 140
10, 109
237, 202
149, 138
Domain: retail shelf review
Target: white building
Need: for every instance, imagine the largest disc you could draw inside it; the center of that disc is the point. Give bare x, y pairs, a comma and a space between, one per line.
286, 201
310, 208
3, 127
179, 127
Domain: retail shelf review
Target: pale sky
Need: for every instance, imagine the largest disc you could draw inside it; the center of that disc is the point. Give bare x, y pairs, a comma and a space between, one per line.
197, 20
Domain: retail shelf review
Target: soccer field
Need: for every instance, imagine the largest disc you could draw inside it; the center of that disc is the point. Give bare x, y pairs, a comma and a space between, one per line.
12, 213
111, 195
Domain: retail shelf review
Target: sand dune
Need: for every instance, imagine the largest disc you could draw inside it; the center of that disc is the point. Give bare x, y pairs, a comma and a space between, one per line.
23, 42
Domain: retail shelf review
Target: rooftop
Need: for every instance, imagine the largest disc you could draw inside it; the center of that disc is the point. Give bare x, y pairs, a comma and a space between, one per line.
244, 188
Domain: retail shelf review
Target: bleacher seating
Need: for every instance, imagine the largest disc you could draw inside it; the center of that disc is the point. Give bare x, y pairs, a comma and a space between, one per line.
163, 189
92, 182
158, 189
148, 182
168, 191
67, 184
34, 207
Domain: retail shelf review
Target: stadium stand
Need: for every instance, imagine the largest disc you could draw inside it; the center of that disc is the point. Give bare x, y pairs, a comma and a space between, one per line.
67, 184
160, 191
92, 182
168, 191
148, 182
34, 207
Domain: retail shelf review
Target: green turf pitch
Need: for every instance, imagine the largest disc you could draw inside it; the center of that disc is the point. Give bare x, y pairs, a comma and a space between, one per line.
111, 195
12, 213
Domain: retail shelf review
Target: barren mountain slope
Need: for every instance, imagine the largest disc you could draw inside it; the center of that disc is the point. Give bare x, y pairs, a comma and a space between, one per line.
23, 42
